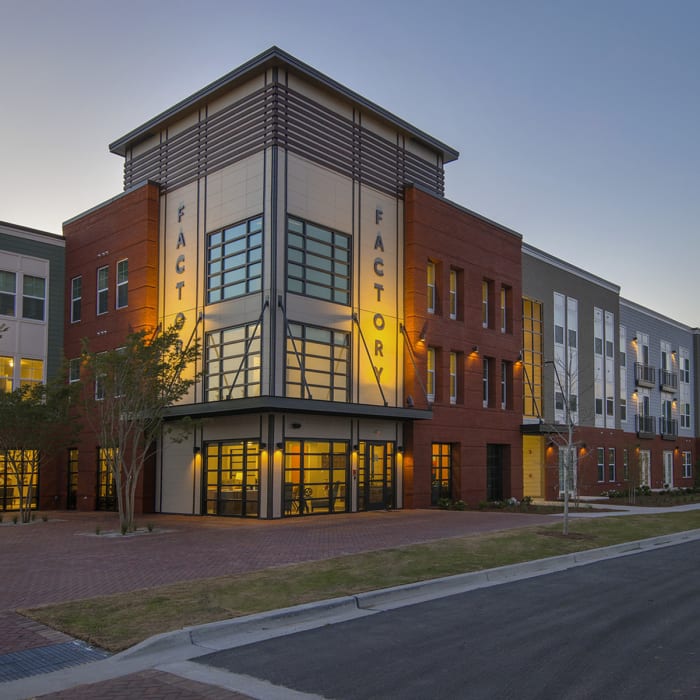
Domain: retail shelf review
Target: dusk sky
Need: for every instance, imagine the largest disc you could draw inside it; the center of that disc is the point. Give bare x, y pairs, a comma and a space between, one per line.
576, 121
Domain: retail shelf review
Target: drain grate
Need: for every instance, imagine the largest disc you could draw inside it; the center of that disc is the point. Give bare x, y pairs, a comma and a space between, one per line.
32, 662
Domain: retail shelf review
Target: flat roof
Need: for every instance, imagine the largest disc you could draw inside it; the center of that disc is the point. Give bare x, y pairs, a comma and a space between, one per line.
268, 59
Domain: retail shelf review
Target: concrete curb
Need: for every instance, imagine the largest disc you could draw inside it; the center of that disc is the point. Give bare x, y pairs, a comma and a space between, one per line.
182, 645
309, 615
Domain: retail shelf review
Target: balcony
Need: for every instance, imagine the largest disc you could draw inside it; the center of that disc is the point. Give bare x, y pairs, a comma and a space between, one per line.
668, 427
645, 426
644, 375
668, 380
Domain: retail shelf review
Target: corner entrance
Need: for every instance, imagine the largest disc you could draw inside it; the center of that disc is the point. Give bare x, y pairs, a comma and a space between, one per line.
376, 476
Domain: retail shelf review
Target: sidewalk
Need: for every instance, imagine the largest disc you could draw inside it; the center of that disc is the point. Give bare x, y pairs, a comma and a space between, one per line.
163, 666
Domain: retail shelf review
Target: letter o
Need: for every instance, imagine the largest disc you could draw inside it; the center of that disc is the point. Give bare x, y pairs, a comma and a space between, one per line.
379, 322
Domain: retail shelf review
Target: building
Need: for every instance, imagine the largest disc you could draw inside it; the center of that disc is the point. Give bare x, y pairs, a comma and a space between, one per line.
292, 227
619, 375
31, 325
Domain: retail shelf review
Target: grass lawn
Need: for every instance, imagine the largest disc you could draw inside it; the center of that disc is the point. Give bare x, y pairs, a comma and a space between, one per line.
117, 622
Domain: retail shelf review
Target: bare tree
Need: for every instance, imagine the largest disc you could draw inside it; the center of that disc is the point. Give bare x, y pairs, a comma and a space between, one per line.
127, 392
35, 424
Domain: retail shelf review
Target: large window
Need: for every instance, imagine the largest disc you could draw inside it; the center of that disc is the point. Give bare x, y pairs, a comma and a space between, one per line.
233, 363
318, 262
315, 477
441, 472
31, 371
8, 292
76, 299
122, 284
232, 478
33, 297
234, 261
102, 290
317, 363
106, 489
532, 358
19, 471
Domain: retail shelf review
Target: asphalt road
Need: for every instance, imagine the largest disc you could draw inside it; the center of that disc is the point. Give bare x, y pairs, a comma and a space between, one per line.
622, 628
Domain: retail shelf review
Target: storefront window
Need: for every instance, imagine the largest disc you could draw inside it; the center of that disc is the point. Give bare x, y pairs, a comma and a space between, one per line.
315, 477
232, 478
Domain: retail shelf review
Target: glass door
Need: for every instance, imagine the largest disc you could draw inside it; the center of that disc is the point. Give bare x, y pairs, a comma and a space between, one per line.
376, 476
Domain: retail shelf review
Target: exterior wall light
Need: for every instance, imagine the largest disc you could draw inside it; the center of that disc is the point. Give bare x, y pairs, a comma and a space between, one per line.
280, 446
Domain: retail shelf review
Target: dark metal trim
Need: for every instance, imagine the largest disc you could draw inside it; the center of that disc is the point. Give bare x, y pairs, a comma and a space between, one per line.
278, 404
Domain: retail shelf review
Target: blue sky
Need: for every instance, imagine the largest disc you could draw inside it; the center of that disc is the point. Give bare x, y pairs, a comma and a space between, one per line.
577, 122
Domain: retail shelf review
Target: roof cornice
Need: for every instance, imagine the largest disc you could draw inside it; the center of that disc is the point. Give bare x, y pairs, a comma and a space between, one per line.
268, 59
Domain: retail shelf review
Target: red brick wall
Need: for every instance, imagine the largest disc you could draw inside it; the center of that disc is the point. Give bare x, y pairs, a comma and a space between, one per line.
453, 238
125, 227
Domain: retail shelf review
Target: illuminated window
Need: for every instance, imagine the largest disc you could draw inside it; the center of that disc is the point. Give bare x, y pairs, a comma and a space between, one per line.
318, 262
102, 290
454, 295
232, 477
107, 462
430, 374
430, 290
7, 372
33, 297
19, 471
453, 377
532, 358
31, 372
625, 464
315, 476
122, 284
317, 363
8, 291
233, 363
76, 299
234, 261
441, 472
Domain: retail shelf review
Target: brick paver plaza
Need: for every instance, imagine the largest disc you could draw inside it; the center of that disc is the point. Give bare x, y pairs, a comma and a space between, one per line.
65, 559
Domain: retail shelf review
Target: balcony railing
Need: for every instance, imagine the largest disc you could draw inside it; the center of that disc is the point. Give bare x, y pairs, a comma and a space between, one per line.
646, 426
644, 375
668, 380
668, 427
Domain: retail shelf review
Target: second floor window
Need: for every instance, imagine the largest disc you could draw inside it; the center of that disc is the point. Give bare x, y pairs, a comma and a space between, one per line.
232, 360
453, 377
454, 298
102, 290
76, 299
318, 262
234, 261
485, 303
318, 363
33, 297
8, 291
430, 288
122, 284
